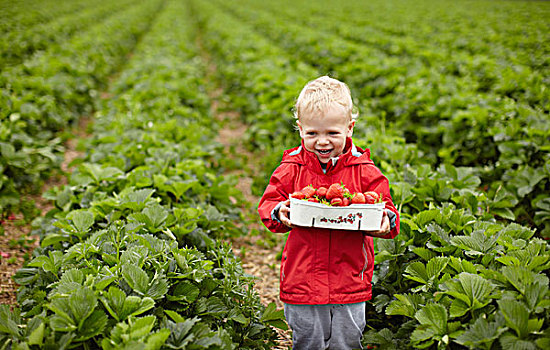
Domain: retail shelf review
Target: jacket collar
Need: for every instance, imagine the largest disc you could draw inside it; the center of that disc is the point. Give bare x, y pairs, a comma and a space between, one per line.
351, 155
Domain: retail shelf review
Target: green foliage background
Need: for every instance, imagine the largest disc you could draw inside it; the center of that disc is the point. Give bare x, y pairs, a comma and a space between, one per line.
453, 102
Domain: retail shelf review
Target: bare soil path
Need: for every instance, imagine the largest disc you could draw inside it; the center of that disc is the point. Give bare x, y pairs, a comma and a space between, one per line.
259, 249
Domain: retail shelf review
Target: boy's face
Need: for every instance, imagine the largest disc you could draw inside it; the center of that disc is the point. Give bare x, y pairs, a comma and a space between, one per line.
324, 133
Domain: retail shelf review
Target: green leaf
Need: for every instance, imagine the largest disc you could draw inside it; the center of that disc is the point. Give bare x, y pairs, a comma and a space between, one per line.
426, 274
510, 341
481, 334
212, 306
136, 200
82, 303
142, 327
424, 253
9, 321
271, 313
121, 306
536, 297
236, 315
435, 266
157, 214
82, 220
37, 335
54, 238
51, 263
136, 278
184, 291
158, 287
471, 291
157, 339
406, 305
427, 216
132, 334
180, 187
416, 271
435, 317
521, 277
462, 265
98, 174
92, 325
175, 316
516, 315
475, 244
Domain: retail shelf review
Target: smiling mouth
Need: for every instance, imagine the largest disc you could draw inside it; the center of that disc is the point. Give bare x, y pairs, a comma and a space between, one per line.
324, 151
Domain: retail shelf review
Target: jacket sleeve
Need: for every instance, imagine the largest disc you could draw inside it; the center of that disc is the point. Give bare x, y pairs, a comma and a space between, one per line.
374, 180
278, 190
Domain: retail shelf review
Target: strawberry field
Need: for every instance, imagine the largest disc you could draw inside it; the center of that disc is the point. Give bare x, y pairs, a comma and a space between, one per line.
137, 250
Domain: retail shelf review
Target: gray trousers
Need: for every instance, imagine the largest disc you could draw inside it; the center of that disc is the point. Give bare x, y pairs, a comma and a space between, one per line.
330, 326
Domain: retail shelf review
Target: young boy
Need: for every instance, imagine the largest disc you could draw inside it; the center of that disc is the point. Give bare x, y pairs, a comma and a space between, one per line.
325, 274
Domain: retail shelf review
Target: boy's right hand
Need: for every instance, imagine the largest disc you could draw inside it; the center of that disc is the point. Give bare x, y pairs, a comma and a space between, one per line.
284, 213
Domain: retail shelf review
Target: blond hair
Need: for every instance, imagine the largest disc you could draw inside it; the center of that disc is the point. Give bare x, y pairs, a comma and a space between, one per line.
321, 93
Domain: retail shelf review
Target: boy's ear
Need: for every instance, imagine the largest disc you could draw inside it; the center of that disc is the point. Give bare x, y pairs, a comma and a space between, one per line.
350, 128
300, 128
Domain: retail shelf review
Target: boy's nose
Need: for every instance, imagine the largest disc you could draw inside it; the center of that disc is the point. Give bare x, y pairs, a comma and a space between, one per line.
322, 140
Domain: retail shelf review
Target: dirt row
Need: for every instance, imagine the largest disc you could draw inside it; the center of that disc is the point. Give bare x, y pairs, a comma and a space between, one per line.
258, 258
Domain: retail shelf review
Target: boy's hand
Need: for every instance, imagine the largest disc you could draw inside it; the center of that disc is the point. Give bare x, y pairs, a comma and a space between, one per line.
284, 213
384, 229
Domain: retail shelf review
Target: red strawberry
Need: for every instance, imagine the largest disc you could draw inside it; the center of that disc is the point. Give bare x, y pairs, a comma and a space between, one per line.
313, 199
373, 195
309, 191
335, 191
298, 195
336, 202
345, 202
358, 198
369, 199
322, 191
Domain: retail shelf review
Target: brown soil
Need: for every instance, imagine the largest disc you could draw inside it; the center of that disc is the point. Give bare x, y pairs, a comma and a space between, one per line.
258, 252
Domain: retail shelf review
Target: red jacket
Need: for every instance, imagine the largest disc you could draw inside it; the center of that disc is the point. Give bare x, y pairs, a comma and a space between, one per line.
324, 266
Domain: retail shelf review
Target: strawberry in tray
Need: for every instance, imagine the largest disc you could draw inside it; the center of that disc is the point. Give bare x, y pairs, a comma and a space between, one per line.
336, 195
335, 190
372, 197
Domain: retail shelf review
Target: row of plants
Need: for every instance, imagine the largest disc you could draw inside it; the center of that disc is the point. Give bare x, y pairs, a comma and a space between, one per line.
18, 44
21, 15
132, 257
448, 117
447, 29
51, 90
457, 276
259, 80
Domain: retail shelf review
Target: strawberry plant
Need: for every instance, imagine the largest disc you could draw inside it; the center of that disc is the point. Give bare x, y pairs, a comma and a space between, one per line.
463, 117
130, 256
51, 90
453, 112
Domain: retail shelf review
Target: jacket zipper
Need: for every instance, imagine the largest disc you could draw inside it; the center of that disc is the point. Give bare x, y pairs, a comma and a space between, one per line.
366, 261
282, 269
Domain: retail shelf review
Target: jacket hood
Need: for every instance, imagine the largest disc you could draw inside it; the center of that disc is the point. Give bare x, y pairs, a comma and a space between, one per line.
352, 155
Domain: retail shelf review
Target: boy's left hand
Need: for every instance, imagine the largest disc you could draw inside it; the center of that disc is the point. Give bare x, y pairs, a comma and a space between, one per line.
384, 228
